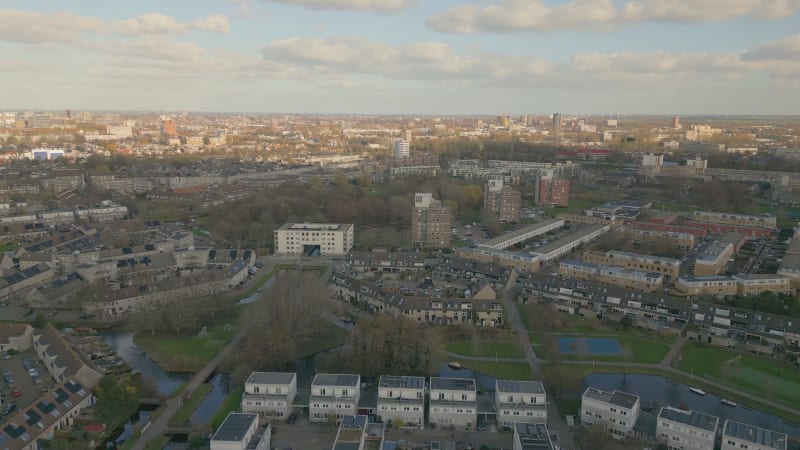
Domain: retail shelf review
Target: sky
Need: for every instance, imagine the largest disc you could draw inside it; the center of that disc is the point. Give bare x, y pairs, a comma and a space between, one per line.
440, 57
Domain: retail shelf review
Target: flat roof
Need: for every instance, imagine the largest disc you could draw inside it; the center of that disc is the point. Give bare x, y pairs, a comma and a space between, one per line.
393, 381
330, 379
524, 387
453, 384
317, 226
572, 237
755, 435
533, 436
641, 256
235, 427
521, 232
693, 418
271, 377
618, 398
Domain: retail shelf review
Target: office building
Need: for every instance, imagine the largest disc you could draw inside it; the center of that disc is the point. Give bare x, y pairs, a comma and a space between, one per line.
402, 149
314, 239
738, 436
430, 222
520, 401
502, 202
686, 430
616, 411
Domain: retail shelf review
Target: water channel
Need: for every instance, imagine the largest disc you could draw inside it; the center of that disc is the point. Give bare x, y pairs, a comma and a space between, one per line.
658, 391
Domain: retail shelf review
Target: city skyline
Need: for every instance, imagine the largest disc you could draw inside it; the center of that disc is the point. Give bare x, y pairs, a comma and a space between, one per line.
454, 57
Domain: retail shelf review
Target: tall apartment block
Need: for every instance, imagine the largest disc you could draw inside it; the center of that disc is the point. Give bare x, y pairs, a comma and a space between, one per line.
552, 191
502, 202
430, 222
402, 149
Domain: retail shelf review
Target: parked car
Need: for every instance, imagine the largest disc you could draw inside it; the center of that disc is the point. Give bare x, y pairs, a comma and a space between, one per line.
292, 419
15, 394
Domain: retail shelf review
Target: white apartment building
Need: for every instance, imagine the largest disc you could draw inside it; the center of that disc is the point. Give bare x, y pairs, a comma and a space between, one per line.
241, 431
686, 430
401, 400
402, 149
333, 395
520, 401
616, 411
269, 394
303, 238
738, 436
570, 242
352, 433
523, 234
453, 402
652, 160
531, 436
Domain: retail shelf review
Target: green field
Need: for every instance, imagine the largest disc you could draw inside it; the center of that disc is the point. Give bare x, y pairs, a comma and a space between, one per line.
158, 443
185, 353
231, 403
508, 371
190, 406
575, 206
775, 380
482, 348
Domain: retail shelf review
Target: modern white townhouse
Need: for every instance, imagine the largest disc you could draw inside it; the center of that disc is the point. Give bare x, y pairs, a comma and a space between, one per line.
520, 401
269, 394
616, 411
738, 436
453, 402
531, 436
333, 396
686, 430
241, 431
401, 400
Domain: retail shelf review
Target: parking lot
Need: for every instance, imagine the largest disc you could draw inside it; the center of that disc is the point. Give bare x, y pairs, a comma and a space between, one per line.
28, 389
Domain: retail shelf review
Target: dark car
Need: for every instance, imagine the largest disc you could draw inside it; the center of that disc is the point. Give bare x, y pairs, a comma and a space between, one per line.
292, 419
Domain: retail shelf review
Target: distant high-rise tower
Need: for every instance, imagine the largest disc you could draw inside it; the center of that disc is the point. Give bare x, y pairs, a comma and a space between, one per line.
557, 128
676, 122
430, 222
502, 202
401, 149
168, 128
552, 190
69, 114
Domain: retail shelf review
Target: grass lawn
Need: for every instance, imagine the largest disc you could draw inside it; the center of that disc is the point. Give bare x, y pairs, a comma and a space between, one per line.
458, 243
568, 406
766, 377
157, 443
190, 406
575, 206
509, 371
231, 403
483, 348
185, 353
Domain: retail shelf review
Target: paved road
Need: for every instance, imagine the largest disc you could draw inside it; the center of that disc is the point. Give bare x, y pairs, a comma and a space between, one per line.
158, 427
554, 421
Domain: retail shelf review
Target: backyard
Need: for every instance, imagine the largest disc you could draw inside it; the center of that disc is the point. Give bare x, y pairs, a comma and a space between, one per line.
471, 347
503, 370
186, 353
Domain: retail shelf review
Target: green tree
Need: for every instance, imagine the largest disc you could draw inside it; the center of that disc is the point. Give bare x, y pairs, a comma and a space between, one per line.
117, 399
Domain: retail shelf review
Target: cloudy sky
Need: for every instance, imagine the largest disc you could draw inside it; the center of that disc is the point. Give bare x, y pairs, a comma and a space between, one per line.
403, 56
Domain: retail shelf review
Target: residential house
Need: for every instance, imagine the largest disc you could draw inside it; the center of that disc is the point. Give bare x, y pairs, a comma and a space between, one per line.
686, 430
616, 412
401, 400
270, 394
531, 436
242, 431
333, 396
520, 401
453, 402
738, 436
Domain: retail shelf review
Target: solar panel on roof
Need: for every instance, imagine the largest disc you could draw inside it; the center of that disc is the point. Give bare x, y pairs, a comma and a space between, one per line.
233, 255
127, 251
14, 430
28, 226
72, 386
32, 417
45, 406
60, 395
212, 254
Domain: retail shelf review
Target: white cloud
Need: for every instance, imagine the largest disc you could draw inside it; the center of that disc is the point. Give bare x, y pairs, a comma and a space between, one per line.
36, 28
155, 23
356, 5
786, 48
534, 15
